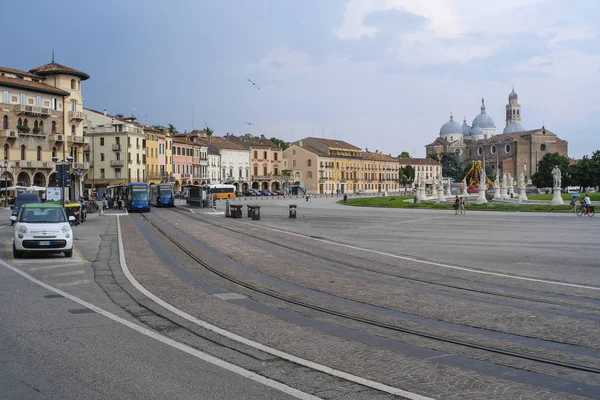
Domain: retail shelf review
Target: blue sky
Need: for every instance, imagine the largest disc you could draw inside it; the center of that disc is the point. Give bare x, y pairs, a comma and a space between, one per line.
385, 73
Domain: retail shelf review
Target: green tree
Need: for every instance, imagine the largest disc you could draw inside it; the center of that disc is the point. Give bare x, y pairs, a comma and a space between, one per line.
451, 167
404, 154
209, 132
407, 175
582, 173
172, 129
543, 178
119, 115
280, 142
434, 156
595, 168
249, 135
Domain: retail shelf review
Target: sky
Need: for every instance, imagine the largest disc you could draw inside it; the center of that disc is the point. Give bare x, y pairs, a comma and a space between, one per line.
379, 74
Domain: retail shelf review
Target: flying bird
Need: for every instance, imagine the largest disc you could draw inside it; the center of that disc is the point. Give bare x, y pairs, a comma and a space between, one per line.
249, 123
252, 82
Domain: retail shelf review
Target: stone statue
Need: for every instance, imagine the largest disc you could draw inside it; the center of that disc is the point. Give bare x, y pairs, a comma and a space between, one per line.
504, 181
464, 182
510, 180
556, 176
522, 180
482, 178
497, 182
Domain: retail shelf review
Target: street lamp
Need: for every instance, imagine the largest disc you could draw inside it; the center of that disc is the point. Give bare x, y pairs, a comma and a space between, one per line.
63, 164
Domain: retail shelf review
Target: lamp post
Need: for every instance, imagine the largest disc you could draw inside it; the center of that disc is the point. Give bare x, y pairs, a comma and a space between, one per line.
6, 182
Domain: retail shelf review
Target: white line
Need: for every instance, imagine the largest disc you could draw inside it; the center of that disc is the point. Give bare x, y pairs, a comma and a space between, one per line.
55, 266
4, 226
170, 342
523, 278
232, 336
74, 283
68, 273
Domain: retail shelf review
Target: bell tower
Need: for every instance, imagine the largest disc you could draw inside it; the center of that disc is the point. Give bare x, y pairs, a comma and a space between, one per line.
513, 108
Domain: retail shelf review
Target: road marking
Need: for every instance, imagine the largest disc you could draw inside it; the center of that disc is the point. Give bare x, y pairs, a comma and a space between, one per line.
74, 283
232, 336
230, 296
69, 273
168, 341
55, 266
4, 226
523, 278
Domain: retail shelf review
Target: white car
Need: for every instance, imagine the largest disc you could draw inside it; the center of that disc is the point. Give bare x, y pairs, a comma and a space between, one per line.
42, 227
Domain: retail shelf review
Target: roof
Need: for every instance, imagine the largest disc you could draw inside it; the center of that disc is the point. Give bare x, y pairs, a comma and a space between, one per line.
36, 86
124, 120
254, 141
19, 72
335, 144
222, 143
55, 68
367, 155
312, 149
418, 161
515, 135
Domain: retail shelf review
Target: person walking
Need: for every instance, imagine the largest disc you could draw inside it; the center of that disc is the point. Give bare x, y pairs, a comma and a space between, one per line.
456, 205
345, 198
462, 206
43, 197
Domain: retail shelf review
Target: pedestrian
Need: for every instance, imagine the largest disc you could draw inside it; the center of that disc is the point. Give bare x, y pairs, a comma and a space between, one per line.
345, 198
43, 197
104, 204
456, 205
462, 206
573, 204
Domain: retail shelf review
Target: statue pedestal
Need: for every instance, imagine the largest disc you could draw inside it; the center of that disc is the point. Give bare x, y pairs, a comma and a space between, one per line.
448, 190
497, 195
557, 198
504, 193
522, 194
441, 198
434, 192
511, 191
464, 192
421, 194
481, 198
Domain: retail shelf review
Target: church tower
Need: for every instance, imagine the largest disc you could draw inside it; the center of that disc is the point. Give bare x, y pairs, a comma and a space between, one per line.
513, 108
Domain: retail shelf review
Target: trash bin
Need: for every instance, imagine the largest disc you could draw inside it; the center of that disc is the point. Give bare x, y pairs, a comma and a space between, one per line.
236, 211
415, 199
227, 209
292, 211
256, 213
250, 210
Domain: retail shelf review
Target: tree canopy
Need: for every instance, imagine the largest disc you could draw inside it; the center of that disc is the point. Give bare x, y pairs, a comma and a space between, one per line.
406, 175
543, 176
172, 129
434, 156
280, 142
451, 167
404, 154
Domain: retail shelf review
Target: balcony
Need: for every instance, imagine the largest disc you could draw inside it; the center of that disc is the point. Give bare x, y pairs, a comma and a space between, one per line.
30, 164
76, 115
78, 139
8, 133
105, 129
22, 109
47, 165
117, 163
271, 178
116, 147
81, 165
57, 137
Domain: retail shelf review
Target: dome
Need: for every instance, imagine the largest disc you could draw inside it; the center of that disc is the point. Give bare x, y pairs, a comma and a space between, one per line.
450, 127
483, 120
466, 129
476, 130
513, 127
513, 95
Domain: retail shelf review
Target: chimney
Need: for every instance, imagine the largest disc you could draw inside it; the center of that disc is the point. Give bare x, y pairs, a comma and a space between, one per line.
105, 113
300, 143
262, 136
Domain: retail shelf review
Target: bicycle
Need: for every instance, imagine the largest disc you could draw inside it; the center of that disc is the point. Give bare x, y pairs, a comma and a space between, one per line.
93, 207
581, 210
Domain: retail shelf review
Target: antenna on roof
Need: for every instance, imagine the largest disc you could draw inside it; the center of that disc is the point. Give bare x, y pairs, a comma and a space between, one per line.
52, 55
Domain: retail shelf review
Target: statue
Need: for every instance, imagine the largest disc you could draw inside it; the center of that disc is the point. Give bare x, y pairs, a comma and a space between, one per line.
482, 178
510, 180
464, 182
522, 180
497, 182
504, 181
556, 176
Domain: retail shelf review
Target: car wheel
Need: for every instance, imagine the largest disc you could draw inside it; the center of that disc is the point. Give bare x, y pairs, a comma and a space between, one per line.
17, 253
69, 253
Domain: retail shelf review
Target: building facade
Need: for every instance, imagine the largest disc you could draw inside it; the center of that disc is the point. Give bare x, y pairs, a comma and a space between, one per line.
152, 167
117, 150
428, 168
334, 166
41, 121
515, 151
234, 160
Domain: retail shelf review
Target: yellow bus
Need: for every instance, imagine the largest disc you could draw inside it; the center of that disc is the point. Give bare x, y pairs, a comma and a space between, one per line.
222, 191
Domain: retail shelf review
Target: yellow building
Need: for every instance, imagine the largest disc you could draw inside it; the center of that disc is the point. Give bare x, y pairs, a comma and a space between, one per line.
153, 170
41, 114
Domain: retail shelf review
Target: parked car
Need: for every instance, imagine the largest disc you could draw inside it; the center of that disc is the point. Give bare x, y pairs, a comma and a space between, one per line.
361, 191
22, 199
42, 227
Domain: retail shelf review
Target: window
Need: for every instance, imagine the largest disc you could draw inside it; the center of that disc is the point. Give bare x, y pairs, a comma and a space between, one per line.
53, 126
53, 105
6, 151
294, 152
23, 98
53, 152
255, 171
265, 172
265, 156
5, 122
117, 140
275, 156
543, 147
118, 173
309, 175
73, 130
23, 152
294, 163
255, 154
480, 150
101, 173
6, 96
309, 163
39, 153
73, 105
457, 151
507, 148
137, 142
276, 172
493, 149
73, 84
38, 101
102, 157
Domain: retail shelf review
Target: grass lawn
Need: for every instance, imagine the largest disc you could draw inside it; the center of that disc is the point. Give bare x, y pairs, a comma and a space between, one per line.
565, 196
399, 202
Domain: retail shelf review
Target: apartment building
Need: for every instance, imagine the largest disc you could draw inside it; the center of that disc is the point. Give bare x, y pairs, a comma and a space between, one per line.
429, 168
153, 170
41, 118
234, 161
190, 160
117, 149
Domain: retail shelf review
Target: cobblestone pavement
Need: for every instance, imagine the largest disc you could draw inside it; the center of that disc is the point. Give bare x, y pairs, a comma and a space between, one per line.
426, 375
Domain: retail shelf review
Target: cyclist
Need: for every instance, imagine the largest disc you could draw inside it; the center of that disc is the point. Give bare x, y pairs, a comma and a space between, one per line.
587, 202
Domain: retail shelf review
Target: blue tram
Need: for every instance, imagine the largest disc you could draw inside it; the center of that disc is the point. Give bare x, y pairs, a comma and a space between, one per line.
138, 197
162, 195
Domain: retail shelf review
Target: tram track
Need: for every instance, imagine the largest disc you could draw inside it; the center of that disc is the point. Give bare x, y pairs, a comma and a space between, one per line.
370, 322
394, 275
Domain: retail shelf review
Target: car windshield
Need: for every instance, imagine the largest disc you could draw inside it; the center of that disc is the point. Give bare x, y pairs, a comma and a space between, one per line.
42, 215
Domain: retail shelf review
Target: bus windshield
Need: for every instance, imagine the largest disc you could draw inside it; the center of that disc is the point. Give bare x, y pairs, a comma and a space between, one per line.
139, 194
165, 193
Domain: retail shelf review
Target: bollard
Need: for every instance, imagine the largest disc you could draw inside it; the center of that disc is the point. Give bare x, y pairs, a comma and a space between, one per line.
292, 211
227, 209
250, 210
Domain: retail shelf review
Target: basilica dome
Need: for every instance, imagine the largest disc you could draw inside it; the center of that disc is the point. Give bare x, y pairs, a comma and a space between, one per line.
476, 130
451, 127
466, 129
514, 127
483, 120
513, 95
